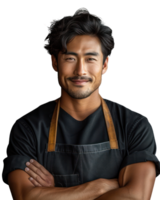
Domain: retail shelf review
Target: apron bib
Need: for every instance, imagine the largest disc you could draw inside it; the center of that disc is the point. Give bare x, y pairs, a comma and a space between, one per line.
73, 165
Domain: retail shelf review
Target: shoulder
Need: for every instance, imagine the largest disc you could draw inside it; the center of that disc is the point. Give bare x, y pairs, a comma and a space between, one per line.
30, 123
121, 109
39, 112
123, 115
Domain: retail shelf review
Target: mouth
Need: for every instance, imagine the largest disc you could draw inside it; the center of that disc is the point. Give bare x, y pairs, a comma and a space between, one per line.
79, 82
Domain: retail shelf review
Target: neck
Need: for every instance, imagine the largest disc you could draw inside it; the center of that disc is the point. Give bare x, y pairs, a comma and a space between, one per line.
80, 108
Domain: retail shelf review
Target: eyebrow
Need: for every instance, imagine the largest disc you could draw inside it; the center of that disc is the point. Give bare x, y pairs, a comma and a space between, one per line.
89, 53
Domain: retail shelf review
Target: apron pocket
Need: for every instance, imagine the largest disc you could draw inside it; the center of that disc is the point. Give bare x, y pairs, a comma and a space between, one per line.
68, 180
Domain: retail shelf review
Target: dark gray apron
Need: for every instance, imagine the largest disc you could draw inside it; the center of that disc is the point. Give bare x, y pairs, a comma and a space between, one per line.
73, 165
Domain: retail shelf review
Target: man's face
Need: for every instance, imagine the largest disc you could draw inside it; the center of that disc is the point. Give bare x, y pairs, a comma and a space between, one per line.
84, 62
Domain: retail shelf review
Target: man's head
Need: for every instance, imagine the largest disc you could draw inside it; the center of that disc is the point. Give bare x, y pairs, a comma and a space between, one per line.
82, 61
80, 33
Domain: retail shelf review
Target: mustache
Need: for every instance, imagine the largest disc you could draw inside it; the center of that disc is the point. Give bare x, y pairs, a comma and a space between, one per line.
81, 79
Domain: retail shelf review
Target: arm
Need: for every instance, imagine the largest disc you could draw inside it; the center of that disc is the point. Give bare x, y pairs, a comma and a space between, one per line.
89, 191
136, 183
117, 194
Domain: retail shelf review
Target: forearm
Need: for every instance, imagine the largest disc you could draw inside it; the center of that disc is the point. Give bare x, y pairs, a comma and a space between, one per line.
89, 191
117, 194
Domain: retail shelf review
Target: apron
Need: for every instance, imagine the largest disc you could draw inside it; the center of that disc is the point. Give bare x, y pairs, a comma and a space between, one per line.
73, 165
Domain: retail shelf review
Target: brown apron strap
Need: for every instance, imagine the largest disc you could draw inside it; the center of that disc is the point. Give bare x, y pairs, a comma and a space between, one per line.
53, 127
54, 124
110, 126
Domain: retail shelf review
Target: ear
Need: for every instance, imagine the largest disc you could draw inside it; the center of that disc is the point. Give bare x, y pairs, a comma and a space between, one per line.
106, 66
53, 63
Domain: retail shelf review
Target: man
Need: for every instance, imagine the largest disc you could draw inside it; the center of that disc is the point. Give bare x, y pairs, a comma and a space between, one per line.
81, 136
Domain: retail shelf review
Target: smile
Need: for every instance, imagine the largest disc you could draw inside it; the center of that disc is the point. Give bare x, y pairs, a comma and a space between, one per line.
79, 82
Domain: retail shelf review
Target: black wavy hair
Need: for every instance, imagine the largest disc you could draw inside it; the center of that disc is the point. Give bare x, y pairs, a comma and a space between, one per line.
81, 23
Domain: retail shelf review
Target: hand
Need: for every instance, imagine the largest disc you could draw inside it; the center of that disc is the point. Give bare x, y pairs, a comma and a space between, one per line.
109, 184
41, 176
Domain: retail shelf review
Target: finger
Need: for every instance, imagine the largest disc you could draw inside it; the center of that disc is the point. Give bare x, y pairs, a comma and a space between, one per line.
42, 172
36, 169
36, 174
41, 167
34, 182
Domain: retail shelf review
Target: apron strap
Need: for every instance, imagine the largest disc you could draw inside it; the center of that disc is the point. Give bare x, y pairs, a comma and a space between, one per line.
108, 120
110, 126
53, 127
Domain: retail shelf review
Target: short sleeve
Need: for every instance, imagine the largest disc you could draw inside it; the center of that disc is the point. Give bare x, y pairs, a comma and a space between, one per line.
141, 145
21, 148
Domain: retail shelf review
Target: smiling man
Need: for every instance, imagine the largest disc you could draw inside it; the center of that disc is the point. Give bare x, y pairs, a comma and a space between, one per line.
82, 146
79, 73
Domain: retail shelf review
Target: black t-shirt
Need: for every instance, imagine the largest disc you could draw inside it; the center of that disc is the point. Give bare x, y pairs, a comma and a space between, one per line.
29, 135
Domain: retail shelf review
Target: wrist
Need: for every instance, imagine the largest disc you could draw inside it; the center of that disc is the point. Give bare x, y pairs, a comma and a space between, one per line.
98, 186
108, 184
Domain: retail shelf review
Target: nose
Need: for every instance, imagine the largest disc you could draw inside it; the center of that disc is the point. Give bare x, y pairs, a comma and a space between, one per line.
80, 68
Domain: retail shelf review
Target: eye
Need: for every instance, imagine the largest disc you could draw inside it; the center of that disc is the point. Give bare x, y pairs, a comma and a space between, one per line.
73, 58
91, 58
69, 58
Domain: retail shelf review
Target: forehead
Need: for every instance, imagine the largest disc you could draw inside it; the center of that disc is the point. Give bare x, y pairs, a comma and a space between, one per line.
84, 43
93, 53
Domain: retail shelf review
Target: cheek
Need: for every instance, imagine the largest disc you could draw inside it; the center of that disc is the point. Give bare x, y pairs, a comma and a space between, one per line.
96, 72
66, 70
63, 74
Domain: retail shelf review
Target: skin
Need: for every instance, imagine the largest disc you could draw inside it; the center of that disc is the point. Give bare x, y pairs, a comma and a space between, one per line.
80, 100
